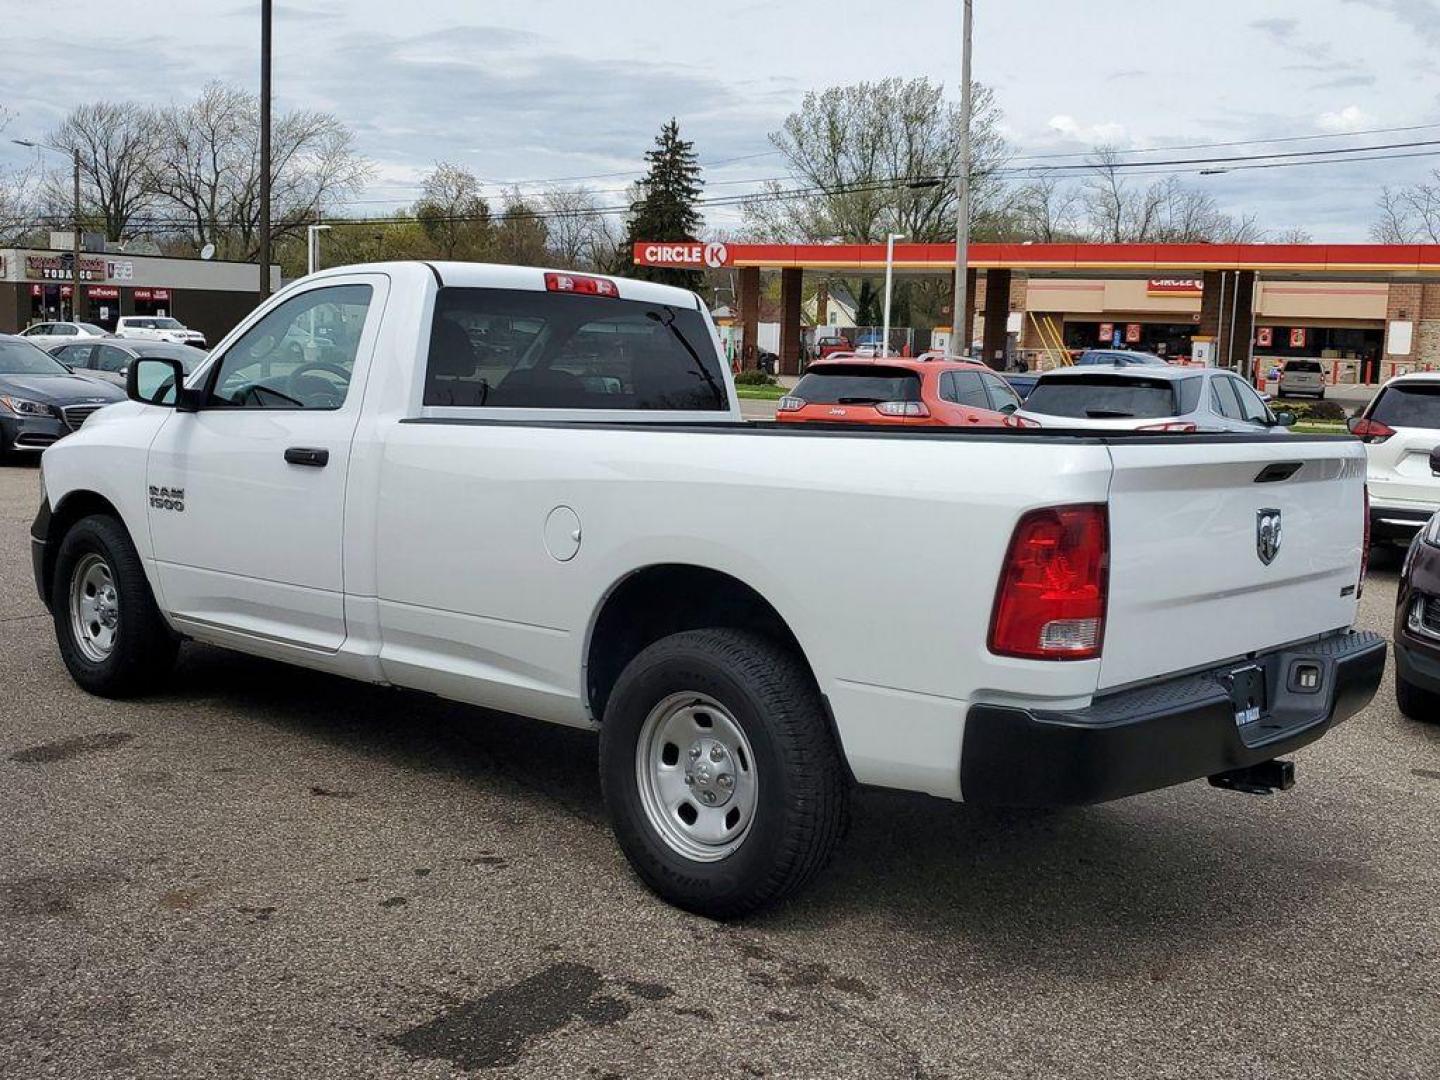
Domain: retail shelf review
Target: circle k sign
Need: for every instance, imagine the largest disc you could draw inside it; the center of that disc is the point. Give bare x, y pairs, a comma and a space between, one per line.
713, 255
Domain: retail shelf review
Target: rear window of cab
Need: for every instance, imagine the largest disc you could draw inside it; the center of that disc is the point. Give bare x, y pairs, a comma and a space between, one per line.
857, 384
524, 349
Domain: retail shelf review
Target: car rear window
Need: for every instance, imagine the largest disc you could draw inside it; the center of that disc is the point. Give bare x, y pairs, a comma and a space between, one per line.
1310, 366
857, 384
1416, 405
1103, 397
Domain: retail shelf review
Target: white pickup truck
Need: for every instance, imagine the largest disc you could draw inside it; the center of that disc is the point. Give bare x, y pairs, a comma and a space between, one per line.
534, 492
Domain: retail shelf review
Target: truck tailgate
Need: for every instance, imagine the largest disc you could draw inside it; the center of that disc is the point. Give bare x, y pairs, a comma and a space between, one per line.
1190, 584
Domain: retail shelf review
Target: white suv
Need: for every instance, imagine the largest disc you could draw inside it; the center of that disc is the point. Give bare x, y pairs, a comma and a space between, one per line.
158, 328
1400, 428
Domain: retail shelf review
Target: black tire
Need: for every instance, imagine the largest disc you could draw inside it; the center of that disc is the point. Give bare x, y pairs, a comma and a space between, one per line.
801, 809
144, 647
1417, 704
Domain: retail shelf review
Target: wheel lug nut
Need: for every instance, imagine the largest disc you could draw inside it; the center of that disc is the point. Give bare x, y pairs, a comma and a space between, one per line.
694, 753
707, 796
716, 754
726, 781
689, 779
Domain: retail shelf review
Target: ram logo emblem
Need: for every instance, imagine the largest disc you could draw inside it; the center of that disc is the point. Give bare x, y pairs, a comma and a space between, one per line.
1267, 535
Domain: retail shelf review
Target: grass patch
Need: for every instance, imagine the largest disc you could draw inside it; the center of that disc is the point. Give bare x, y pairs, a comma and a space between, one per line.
761, 393
1312, 427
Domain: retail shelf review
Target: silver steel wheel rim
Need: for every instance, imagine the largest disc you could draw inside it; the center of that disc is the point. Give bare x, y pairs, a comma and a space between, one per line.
697, 778
94, 608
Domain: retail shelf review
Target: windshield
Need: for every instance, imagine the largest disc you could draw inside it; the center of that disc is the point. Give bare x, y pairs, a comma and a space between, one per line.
1102, 397
91, 328
23, 358
1416, 405
857, 384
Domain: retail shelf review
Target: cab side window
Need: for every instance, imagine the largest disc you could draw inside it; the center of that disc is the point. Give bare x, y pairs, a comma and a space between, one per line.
77, 356
301, 355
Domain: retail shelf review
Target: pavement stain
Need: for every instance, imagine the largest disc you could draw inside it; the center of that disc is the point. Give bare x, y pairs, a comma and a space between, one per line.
73, 747
770, 971
42, 895
496, 1030
486, 858
1427, 774
394, 902
331, 793
184, 899
257, 914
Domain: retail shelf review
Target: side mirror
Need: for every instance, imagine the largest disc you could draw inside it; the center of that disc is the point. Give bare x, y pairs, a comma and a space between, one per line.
1285, 419
1351, 423
152, 380
1435, 462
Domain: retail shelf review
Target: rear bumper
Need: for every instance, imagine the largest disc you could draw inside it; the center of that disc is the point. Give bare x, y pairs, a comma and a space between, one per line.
1165, 733
1397, 523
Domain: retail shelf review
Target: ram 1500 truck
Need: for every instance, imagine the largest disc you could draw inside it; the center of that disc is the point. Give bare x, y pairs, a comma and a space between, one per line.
533, 491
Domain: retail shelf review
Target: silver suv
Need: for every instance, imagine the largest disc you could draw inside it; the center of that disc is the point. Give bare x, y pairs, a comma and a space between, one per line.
1162, 398
1302, 377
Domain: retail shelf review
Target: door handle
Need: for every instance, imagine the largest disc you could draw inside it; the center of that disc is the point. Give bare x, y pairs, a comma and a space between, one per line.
308, 455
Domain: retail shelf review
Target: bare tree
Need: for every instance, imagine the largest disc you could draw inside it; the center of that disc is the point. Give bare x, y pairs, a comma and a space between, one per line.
117, 144
1293, 235
207, 168
18, 213
577, 227
874, 158
1047, 211
453, 213
1409, 215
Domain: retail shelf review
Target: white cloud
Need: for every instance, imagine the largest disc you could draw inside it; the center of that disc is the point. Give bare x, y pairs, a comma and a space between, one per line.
1350, 118
1106, 134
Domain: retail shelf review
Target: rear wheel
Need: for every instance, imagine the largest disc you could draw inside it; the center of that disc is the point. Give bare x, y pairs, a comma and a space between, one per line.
721, 774
111, 635
1417, 704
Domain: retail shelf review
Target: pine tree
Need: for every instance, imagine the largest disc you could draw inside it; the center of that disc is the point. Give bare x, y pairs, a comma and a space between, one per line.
666, 209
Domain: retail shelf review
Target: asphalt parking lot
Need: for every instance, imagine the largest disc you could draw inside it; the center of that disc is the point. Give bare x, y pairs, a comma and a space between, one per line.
268, 872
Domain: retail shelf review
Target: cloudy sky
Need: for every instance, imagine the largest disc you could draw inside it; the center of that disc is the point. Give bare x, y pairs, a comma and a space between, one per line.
549, 89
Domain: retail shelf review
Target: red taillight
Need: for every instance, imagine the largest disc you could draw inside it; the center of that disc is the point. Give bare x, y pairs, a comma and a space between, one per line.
1370, 430
902, 408
1365, 549
1172, 425
581, 283
1013, 421
789, 403
1050, 604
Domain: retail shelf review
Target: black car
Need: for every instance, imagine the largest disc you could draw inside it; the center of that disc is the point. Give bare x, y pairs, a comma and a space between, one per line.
1022, 382
41, 400
1417, 624
110, 358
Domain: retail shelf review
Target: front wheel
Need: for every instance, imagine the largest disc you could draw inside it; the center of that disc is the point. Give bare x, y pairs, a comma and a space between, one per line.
112, 638
721, 775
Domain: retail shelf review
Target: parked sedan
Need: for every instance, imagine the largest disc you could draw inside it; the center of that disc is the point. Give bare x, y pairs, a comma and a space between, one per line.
110, 360
1417, 622
933, 393
1150, 398
48, 335
41, 400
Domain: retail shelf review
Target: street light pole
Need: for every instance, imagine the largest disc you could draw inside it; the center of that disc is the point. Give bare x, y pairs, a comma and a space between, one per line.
312, 247
74, 153
961, 334
890, 239
265, 6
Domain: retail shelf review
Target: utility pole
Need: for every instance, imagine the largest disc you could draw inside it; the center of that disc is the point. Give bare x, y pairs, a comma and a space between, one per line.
265, 6
890, 239
75, 244
961, 333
